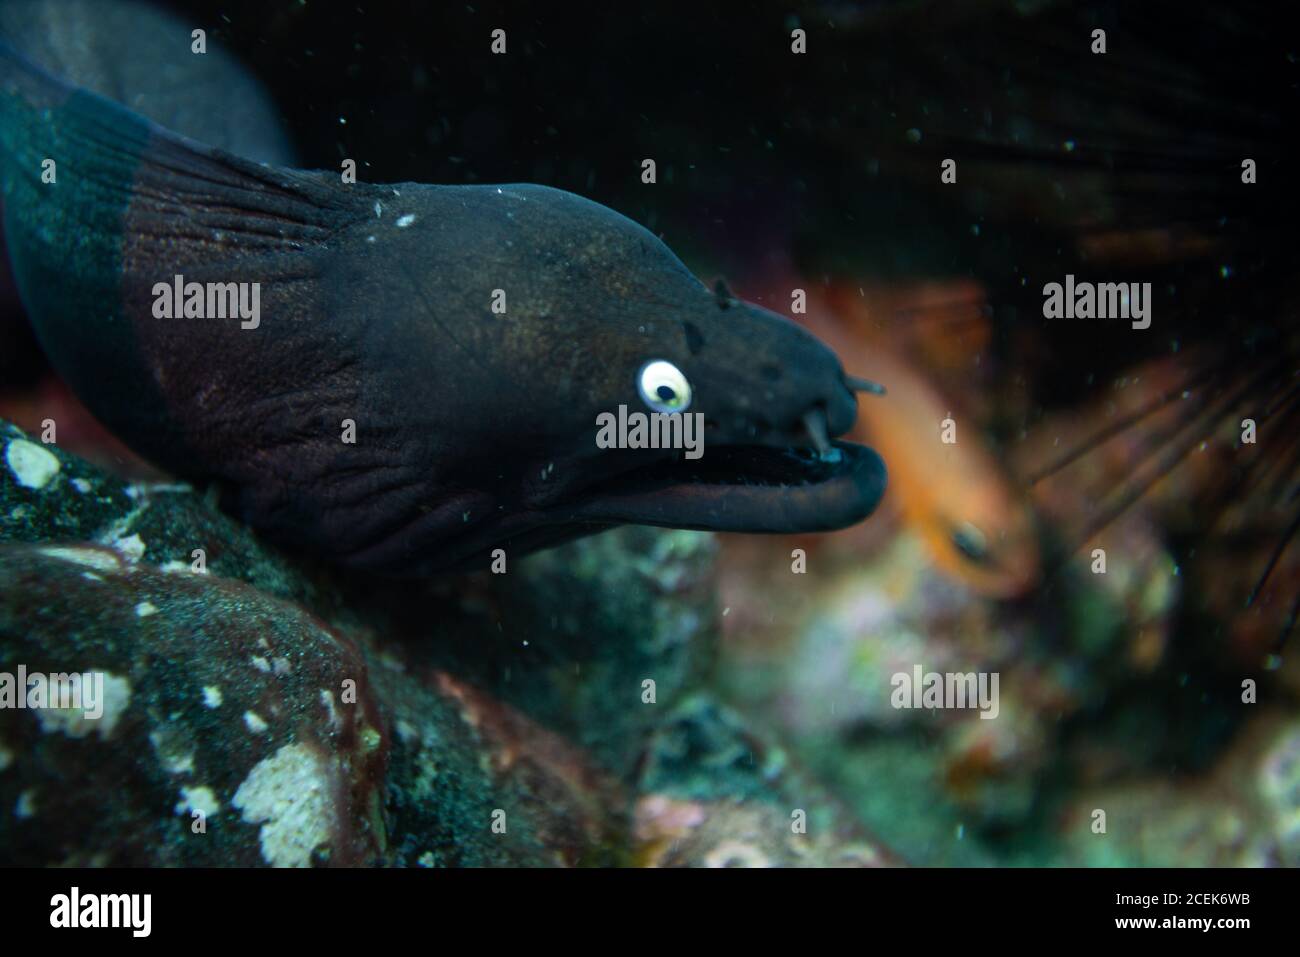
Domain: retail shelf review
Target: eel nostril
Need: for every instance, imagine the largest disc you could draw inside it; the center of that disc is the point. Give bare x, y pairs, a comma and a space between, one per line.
855, 384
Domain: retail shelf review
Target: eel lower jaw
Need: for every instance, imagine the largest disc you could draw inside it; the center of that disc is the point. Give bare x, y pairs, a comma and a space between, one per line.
742, 488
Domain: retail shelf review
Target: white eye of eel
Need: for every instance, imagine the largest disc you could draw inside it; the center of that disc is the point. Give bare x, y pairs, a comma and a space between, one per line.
663, 387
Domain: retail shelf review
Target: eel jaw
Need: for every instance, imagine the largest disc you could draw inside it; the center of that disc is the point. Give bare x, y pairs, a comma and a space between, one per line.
742, 488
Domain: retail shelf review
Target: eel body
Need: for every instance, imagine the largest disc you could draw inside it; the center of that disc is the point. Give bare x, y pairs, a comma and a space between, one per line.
424, 378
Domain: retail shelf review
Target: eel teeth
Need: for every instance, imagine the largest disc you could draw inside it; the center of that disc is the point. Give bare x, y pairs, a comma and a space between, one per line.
814, 421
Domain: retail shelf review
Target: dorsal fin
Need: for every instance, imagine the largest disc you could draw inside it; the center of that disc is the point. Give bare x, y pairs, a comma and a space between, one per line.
128, 204
109, 159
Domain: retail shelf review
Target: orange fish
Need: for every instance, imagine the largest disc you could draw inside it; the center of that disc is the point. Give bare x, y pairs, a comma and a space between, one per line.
976, 525
948, 485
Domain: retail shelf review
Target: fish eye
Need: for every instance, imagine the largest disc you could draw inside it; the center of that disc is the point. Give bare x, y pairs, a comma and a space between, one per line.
663, 387
970, 541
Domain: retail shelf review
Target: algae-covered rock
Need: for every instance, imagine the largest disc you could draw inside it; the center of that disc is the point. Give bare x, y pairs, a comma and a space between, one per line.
216, 725
596, 639
677, 832
716, 793
241, 712
475, 782
49, 496
527, 693
626, 626
310, 716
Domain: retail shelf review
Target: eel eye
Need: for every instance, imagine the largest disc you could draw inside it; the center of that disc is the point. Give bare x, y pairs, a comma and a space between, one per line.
970, 541
663, 387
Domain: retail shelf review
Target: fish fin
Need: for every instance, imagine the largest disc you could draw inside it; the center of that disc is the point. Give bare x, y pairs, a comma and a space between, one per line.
116, 171
101, 204
722, 294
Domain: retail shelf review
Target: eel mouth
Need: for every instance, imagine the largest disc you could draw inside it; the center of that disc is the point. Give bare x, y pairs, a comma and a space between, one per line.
744, 488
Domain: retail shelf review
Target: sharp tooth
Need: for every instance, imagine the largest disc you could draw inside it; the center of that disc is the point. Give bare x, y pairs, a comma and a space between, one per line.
864, 385
814, 420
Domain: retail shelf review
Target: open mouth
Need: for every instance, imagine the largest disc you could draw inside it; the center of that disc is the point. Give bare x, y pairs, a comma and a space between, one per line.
745, 488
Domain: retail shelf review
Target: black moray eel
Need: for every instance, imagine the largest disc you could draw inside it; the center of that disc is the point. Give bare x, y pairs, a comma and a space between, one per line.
474, 429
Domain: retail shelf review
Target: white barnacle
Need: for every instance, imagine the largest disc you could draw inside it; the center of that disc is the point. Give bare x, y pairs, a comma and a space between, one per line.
31, 464
199, 799
132, 547
290, 795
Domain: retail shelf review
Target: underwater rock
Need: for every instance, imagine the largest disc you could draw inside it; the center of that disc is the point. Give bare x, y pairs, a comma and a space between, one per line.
1244, 812
522, 694
508, 719
458, 753
556, 636
672, 832
819, 664
64, 500
558, 652
569, 640
233, 728
474, 782
224, 701
571, 636
716, 793
50, 496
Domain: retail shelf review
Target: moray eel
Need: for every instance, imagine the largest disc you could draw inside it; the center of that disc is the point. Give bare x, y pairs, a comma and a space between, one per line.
472, 429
